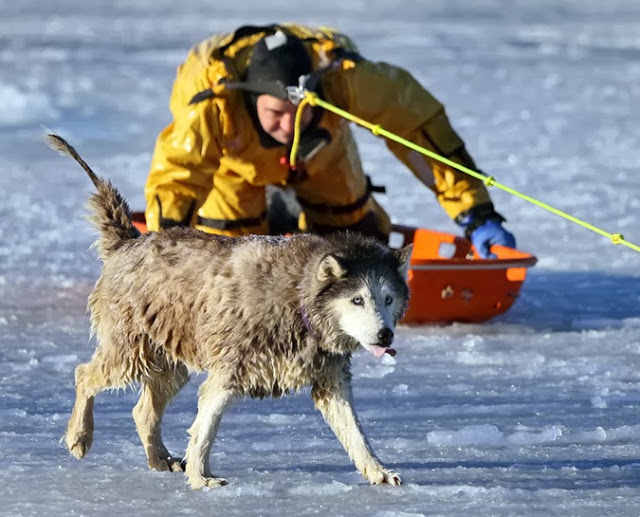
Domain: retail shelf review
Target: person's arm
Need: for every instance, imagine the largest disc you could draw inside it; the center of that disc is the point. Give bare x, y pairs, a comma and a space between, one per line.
389, 96
185, 157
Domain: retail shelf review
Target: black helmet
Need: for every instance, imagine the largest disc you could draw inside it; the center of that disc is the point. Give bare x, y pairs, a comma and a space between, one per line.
277, 61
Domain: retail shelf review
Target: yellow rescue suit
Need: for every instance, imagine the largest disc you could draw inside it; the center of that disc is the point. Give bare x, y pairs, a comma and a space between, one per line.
209, 169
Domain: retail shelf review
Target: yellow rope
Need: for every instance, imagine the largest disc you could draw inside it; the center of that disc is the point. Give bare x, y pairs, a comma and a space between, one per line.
313, 99
298, 130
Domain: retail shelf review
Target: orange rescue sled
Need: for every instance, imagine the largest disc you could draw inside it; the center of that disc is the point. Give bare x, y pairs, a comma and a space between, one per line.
448, 280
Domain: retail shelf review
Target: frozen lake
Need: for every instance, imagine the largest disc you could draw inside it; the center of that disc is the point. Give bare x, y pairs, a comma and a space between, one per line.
535, 413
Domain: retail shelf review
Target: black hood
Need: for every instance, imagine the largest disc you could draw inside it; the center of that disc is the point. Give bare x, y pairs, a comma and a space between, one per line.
277, 58
277, 61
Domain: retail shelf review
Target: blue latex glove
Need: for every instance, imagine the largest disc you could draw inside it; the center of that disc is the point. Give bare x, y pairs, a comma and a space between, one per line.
489, 233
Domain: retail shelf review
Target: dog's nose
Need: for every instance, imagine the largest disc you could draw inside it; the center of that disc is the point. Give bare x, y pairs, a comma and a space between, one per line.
385, 336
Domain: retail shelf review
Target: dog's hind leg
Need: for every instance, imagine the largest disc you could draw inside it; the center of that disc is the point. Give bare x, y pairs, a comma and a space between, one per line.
155, 394
101, 373
213, 401
335, 406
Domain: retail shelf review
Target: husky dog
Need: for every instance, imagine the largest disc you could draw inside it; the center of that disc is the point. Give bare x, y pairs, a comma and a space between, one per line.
263, 316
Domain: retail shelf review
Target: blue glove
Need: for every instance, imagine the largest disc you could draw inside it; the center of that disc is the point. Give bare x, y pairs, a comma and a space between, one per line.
483, 227
489, 233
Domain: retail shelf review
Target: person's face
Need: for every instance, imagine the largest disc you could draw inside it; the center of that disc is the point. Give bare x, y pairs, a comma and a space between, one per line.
277, 117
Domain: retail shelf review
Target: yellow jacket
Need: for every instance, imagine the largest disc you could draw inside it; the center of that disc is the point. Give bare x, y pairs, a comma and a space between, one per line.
208, 164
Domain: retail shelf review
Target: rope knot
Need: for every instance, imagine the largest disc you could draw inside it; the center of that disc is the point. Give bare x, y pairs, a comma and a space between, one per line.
489, 181
311, 97
617, 238
376, 129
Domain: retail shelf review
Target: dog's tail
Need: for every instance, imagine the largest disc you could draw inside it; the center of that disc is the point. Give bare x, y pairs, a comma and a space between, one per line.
111, 214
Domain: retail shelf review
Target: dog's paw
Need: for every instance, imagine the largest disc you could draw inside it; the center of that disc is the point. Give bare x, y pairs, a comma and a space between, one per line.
169, 464
176, 464
391, 478
198, 482
78, 445
385, 477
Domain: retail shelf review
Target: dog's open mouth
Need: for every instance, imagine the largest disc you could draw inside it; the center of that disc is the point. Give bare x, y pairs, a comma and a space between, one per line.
378, 351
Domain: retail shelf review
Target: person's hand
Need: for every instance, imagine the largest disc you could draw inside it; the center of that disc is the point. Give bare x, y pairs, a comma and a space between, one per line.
483, 227
489, 233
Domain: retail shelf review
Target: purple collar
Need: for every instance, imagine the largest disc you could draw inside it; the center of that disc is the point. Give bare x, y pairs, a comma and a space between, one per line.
305, 320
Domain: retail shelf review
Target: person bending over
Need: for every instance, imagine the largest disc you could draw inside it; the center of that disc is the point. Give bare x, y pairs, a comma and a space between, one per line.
233, 127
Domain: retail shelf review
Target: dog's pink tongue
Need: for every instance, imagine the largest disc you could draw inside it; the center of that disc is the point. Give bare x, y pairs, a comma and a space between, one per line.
379, 351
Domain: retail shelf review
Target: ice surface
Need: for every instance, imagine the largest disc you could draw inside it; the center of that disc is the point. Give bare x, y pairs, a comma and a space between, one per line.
535, 413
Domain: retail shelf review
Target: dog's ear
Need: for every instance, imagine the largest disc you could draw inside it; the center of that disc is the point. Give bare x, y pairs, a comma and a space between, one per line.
331, 268
404, 258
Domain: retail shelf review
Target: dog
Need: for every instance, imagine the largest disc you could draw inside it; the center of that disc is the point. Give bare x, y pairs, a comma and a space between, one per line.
262, 315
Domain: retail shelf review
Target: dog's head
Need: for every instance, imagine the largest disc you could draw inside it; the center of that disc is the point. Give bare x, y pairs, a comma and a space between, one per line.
362, 292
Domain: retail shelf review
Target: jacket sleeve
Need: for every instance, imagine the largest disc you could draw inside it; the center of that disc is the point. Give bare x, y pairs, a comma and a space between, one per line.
185, 157
389, 96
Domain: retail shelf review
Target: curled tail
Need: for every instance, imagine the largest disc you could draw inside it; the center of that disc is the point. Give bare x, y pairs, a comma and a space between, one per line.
111, 214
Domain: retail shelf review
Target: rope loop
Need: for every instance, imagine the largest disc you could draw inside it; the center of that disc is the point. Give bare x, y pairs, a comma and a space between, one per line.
297, 130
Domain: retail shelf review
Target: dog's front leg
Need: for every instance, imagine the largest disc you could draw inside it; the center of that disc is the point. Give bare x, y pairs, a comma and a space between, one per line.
335, 405
213, 401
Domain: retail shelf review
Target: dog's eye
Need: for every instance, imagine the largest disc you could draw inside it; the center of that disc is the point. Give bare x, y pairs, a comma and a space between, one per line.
388, 300
358, 300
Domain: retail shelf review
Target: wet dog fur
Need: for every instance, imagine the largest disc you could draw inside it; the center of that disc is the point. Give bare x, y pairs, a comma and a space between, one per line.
263, 316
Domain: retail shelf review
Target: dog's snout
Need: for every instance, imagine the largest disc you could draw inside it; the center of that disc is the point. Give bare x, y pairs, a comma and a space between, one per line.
385, 335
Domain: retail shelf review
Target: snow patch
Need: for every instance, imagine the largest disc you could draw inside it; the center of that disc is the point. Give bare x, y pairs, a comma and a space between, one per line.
490, 436
21, 107
333, 488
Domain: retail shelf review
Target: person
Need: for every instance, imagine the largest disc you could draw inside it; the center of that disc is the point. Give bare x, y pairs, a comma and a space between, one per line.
233, 126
